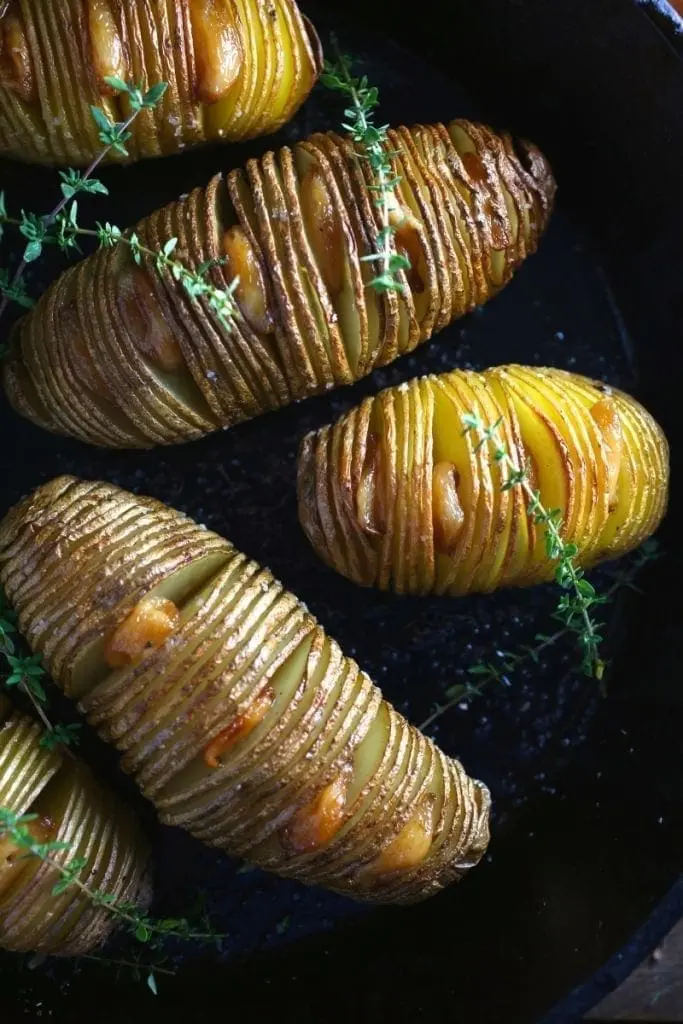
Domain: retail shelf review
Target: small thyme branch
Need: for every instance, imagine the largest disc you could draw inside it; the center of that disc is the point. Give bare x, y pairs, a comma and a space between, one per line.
61, 226
580, 595
484, 673
144, 928
25, 672
36, 229
373, 143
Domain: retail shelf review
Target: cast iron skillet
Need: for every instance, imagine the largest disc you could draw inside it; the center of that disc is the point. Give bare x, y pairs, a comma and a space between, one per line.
587, 841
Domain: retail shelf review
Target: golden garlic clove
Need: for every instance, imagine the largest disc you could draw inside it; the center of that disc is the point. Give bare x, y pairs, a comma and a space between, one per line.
147, 627
606, 416
407, 240
324, 228
448, 516
16, 72
319, 821
250, 293
407, 850
239, 728
147, 328
217, 48
106, 47
371, 493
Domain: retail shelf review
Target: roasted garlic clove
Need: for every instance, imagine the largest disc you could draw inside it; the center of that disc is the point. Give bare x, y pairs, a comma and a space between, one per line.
248, 726
16, 71
250, 293
606, 416
602, 460
448, 517
106, 45
147, 627
296, 228
239, 728
218, 48
319, 821
144, 321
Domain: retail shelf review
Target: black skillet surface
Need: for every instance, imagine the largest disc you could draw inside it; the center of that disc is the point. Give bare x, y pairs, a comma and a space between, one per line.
587, 829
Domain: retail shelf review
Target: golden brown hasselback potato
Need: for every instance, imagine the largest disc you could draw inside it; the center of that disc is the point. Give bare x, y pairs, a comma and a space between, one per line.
234, 68
240, 719
117, 356
396, 495
70, 808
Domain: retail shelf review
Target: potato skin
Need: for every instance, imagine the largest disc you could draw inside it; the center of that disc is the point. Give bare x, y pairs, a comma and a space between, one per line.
71, 808
395, 495
119, 357
235, 69
248, 726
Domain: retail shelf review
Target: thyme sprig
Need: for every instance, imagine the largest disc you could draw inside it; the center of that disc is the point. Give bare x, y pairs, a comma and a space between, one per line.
580, 596
64, 217
484, 673
25, 672
151, 932
61, 226
372, 146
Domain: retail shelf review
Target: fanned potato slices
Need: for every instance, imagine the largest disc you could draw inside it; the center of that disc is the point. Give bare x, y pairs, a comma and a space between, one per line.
397, 495
235, 69
69, 808
240, 719
118, 356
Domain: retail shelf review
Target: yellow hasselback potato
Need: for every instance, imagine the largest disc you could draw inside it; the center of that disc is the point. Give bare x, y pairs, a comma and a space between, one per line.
396, 495
240, 719
115, 355
235, 69
70, 808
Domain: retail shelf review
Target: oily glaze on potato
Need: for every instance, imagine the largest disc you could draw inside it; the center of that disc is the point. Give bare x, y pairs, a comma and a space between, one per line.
240, 719
70, 808
235, 69
119, 357
396, 495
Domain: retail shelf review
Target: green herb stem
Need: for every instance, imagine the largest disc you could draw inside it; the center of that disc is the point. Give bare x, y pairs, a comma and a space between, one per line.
580, 595
485, 673
49, 219
144, 928
373, 144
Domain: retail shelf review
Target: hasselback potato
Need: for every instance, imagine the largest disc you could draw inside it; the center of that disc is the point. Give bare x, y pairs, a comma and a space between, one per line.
396, 494
240, 719
70, 808
234, 68
117, 356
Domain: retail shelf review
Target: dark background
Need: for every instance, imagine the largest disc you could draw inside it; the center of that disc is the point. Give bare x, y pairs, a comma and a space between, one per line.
587, 841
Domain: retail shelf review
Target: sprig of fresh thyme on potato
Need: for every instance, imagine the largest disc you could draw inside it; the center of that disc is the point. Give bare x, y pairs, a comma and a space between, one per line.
61, 226
372, 145
151, 932
579, 597
25, 672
